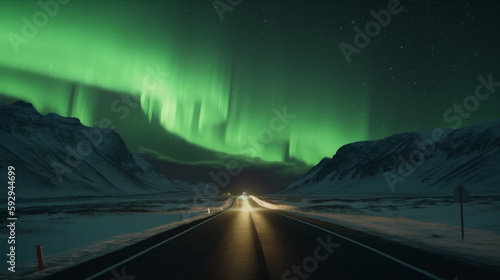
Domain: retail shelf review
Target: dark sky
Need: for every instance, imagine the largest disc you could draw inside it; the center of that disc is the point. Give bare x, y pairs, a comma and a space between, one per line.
270, 80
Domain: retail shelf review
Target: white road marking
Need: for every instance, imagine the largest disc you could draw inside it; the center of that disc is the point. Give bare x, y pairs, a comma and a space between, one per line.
428, 274
147, 250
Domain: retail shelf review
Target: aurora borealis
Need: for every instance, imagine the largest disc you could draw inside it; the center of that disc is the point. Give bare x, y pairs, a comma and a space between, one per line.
184, 86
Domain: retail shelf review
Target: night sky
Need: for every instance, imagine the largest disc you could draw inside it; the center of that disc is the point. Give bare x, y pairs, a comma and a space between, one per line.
193, 86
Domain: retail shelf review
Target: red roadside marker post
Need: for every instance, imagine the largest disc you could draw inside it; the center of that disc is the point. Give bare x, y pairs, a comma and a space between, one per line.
40, 257
461, 195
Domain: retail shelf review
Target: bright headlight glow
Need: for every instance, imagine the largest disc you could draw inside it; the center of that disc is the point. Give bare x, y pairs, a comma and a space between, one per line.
246, 206
263, 203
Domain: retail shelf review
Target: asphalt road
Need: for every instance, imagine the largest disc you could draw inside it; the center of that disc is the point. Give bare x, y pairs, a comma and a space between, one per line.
251, 242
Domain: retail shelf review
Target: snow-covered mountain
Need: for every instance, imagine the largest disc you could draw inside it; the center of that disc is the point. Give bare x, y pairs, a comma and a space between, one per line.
431, 162
55, 156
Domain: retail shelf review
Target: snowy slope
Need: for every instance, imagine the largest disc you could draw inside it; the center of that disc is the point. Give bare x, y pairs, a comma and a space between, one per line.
411, 163
56, 156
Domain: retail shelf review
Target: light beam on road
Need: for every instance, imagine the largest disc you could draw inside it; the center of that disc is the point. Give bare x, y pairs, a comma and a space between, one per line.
263, 203
246, 205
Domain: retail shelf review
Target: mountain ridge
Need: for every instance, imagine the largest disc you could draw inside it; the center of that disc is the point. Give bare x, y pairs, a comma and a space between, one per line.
426, 162
57, 156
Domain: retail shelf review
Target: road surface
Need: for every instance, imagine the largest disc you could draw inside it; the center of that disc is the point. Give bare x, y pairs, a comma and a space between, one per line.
251, 242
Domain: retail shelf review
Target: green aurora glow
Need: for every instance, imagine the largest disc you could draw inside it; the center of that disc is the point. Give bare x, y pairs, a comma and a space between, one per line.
206, 98
220, 81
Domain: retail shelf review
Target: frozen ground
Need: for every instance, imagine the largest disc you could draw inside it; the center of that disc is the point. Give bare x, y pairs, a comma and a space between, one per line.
429, 223
74, 231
